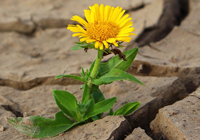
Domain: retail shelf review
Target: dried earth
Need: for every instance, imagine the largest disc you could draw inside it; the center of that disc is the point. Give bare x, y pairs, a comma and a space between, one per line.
35, 47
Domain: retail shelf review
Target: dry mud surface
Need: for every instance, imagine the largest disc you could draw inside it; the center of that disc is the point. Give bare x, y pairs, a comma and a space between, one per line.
35, 47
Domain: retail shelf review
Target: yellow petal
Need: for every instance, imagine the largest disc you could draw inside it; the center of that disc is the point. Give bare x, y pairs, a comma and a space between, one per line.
127, 25
96, 45
90, 40
74, 29
106, 44
125, 21
106, 14
115, 43
122, 35
119, 16
92, 14
81, 29
97, 14
127, 30
111, 40
110, 13
133, 34
90, 7
115, 14
88, 15
102, 12
122, 19
101, 46
80, 20
78, 34
71, 25
125, 39
83, 39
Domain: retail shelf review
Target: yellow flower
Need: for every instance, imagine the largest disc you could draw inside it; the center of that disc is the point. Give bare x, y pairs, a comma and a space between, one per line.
104, 25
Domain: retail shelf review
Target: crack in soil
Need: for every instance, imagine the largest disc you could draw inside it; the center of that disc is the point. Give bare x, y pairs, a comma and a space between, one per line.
138, 68
38, 82
135, 8
142, 117
9, 108
142, 68
173, 13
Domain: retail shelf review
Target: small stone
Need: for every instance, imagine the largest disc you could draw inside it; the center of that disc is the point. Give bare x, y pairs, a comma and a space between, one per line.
138, 134
61, 134
140, 68
2, 128
35, 54
25, 114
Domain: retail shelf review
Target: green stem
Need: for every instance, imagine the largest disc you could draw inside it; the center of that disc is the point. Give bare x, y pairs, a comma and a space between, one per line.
96, 67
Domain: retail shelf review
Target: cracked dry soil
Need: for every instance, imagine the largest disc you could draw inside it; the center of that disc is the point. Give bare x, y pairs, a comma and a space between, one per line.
35, 47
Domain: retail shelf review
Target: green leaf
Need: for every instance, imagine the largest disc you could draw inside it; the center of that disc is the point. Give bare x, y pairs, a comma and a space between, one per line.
83, 42
120, 46
83, 107
87, 104
97, 94
72, 76
89, 45
41, 127
127, 108
94, 118
81, 45
91, 106
67, 99
86, 94
91, 67
82, 72
60, 116
118, 64
114, 75
77, 47
72, 114
100, 107
67, 103
82, 87
111, 112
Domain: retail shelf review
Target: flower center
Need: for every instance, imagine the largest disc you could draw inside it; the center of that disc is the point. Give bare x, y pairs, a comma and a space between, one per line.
102, 31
